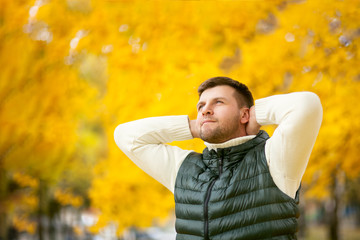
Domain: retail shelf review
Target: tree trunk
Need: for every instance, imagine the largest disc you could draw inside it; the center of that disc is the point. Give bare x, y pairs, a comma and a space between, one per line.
333, 209
41, 210
3, 195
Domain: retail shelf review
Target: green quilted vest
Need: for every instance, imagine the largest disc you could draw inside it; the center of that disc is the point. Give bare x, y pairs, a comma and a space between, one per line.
229, 194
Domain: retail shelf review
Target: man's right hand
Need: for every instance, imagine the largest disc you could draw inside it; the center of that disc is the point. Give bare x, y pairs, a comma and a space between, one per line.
194, 129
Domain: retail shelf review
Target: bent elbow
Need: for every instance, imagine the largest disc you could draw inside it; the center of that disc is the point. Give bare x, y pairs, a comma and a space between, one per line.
311, 105
314, 103
120, 137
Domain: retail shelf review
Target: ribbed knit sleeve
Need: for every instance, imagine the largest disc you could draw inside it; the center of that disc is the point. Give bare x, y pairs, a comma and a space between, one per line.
298, 116
144, 142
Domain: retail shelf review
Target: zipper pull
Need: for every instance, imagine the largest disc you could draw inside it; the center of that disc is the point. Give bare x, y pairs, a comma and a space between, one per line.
221, 159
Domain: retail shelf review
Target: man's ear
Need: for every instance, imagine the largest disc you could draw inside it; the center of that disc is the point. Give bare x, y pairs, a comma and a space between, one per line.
244, 115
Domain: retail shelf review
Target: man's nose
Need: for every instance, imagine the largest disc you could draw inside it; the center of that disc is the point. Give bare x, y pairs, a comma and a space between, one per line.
207, 110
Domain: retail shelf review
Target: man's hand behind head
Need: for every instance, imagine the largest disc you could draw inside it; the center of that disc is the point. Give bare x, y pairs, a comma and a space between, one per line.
252, 127
195, 131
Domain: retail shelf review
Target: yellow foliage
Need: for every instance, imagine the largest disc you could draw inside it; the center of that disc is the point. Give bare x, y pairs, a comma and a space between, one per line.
28, 203
78, 231
67, 198
25, 180
23, 224
73, 70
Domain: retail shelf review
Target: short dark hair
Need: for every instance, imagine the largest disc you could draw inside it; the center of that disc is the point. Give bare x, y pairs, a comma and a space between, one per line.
244, 96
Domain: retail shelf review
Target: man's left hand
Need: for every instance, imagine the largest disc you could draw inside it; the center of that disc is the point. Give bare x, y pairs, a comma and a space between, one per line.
252, 127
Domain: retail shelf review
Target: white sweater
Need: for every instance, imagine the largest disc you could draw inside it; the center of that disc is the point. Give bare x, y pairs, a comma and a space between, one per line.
298, 116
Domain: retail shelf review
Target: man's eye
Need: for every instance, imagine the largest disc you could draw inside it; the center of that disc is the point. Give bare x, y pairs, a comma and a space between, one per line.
219, 101
200, 107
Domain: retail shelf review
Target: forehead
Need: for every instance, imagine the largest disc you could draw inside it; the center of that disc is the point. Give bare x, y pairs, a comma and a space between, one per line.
223, 91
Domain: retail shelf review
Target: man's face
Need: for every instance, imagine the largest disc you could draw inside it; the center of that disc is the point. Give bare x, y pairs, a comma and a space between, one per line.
219, 116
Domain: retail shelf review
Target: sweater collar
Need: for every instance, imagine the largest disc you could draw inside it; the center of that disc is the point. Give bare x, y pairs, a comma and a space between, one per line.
229, 143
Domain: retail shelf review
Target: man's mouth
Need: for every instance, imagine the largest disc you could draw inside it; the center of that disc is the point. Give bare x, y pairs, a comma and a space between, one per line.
207, 121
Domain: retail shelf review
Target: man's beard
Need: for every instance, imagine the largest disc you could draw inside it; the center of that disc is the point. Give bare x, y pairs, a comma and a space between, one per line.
221, 133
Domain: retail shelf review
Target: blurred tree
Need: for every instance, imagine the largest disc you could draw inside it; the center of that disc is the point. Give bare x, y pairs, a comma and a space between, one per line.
43, 103
73, 70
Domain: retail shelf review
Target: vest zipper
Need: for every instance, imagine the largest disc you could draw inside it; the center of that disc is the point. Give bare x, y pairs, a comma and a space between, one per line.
206, 205
220, 165
206, 214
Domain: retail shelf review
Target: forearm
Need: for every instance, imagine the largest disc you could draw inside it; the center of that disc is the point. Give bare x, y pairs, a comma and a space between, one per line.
300, 106
152, 130
143, 141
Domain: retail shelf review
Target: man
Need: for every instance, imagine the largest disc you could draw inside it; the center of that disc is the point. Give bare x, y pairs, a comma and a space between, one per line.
245, 184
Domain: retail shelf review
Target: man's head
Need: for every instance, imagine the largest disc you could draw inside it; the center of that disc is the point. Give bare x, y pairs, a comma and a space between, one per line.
242, 93
223, 109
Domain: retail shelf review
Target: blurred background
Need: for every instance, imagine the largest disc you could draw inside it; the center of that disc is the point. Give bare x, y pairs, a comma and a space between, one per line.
72, 70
